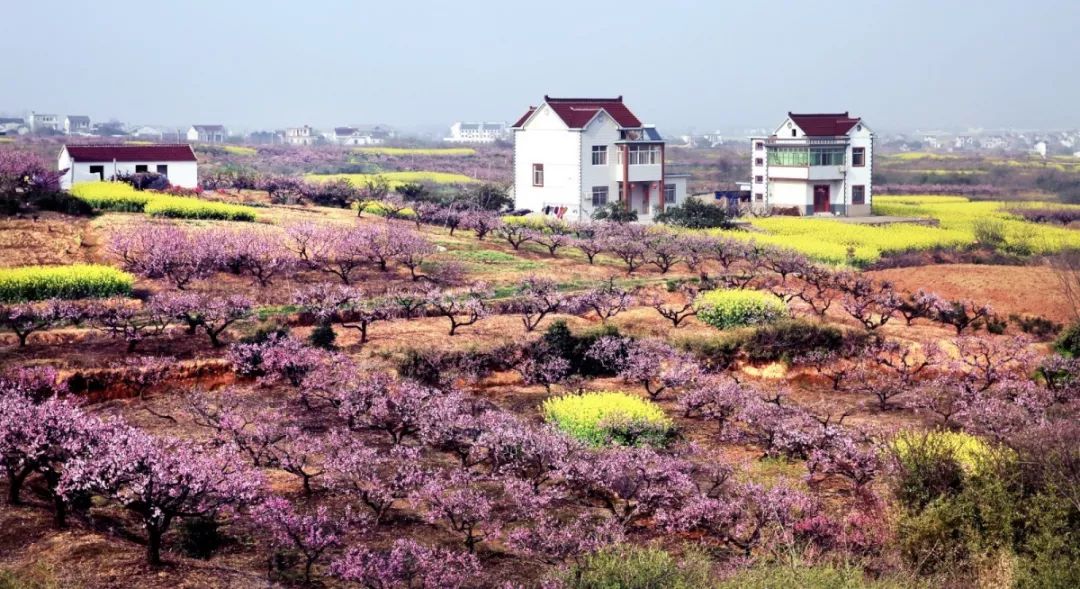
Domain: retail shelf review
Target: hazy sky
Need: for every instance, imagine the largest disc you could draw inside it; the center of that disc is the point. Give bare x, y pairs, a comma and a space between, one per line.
901, 65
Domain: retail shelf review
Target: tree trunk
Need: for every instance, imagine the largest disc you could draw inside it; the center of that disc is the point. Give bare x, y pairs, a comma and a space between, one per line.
60, 511
153, 546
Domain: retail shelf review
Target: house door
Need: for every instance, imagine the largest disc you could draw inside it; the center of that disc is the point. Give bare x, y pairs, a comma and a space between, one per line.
821, 198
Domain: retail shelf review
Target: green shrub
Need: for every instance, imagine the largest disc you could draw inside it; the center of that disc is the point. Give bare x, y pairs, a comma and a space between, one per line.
930, 465
78, 281
718, 352
381, 210
1036, 325
634, 567
200, 537
183, 207
605, 417
323, 336
820, 576
788, 338
1068, 343
39, 577
561, 341
724, 309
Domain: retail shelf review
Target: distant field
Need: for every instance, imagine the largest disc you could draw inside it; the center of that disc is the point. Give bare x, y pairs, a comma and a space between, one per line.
396, 178
962, 223
921, 155
239, 150
447, 151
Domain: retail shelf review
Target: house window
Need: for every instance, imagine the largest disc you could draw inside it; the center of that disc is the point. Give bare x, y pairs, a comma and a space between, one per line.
858, 156
538, 174
599, 155
139, 168
599, 196
759, 146
644, 155
789, 156
759, 179
163, 169
826, 156
99, 170
858, 194
669, 194
759, 197
759, 161
794, 133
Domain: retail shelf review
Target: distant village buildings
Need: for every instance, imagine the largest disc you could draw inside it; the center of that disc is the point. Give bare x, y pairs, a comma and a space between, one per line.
300, 136
359, 136
815, 164
462, 132
77, 125
87, 163
42, 122
207, 134
573, 156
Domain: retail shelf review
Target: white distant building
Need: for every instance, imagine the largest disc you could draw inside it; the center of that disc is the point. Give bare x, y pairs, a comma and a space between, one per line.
76, 124
574, 155
13, 126
815, 163
1040, 148
207, 134
95, 163
477, 132
300, 135
44, 122
354, 136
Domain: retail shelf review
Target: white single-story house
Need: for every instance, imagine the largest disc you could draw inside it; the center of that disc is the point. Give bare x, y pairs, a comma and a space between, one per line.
90, 163
207, 133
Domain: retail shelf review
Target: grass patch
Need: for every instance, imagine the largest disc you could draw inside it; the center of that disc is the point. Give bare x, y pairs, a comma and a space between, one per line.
606, 417
78, 281
493, 260
396, 179
444, 151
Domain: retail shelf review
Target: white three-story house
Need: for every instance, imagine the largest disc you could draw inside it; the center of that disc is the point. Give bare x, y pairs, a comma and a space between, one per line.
814, 164
575, 155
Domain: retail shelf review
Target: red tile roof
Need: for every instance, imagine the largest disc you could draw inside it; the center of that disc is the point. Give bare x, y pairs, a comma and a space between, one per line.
824, 125
176, 152
525, 116
577, 112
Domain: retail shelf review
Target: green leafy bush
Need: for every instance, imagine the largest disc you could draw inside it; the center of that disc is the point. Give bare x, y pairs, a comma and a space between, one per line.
323, 336
78, 281
694, 214
632, 567
561, 341
605, 417
724, 309
787, 338
200, 537
1068, 343
182, 207
820, 576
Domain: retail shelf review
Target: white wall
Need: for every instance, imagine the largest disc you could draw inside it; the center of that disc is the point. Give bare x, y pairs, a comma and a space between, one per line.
601, 131
184, 174
546, 140
860, 138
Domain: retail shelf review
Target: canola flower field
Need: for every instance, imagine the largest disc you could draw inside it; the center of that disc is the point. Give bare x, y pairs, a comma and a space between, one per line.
961, 223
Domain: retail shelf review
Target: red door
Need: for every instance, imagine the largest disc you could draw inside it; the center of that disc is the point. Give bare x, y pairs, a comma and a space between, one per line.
821, 198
